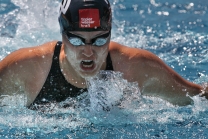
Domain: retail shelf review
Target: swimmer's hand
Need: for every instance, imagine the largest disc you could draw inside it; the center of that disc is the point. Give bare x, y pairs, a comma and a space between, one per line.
205, 90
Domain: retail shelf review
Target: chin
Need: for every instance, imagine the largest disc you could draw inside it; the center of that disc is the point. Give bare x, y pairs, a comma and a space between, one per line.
88, 74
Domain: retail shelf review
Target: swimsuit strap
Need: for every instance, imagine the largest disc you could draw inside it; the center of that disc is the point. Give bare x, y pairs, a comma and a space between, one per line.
56, 54
109, 65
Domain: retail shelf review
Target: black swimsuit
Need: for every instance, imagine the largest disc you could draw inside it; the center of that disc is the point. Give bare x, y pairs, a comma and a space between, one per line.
56, 88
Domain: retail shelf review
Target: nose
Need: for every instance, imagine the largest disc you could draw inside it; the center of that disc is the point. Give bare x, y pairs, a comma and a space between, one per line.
87, 51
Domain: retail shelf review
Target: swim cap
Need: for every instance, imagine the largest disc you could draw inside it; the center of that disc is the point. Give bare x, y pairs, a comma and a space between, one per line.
85, 15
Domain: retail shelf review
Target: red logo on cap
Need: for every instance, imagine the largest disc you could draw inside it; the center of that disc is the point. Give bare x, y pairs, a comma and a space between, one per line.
89, 18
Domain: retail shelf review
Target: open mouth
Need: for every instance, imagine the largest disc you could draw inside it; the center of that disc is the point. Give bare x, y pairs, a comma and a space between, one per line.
87, 64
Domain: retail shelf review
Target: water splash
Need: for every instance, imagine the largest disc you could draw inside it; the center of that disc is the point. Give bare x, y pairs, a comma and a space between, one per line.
109, 89
110, 102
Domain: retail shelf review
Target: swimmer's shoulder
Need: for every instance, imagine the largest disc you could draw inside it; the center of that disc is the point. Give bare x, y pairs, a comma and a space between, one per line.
26, 61
124, 53
26, 69
29, 53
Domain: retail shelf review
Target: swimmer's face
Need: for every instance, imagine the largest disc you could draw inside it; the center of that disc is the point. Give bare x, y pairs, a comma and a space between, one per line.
87, 60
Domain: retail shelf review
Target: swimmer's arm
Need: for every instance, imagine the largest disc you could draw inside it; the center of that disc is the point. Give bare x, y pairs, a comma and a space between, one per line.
10, 82
164, 82
25, 70
154, 77
16, 72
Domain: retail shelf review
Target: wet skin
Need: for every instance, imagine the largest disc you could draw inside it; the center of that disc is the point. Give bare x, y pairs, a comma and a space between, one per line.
26, 69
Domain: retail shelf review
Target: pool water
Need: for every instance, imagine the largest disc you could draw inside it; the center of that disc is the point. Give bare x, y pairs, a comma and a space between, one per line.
176, 31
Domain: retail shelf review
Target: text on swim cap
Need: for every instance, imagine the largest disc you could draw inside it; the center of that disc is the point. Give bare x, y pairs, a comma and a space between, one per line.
89, 18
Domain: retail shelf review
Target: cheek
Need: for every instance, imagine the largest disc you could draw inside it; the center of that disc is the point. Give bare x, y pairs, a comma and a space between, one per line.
68, 49
70, 52
102, 53
102, 50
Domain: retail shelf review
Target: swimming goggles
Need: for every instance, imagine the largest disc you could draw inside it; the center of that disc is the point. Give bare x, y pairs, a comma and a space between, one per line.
79, 41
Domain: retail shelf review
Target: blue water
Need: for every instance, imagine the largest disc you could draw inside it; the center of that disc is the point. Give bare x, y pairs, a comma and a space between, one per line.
176, 31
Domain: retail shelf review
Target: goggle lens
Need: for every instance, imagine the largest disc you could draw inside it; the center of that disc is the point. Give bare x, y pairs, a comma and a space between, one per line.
79, 41
100, 41
76, 41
